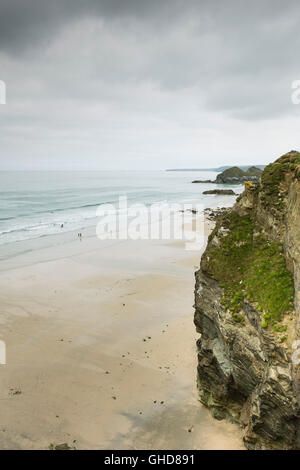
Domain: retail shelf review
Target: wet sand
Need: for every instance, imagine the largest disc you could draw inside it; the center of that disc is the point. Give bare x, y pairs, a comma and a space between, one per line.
101, 349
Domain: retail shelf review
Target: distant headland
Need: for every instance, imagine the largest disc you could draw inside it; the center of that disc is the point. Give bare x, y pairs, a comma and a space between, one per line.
218, 169
235, 175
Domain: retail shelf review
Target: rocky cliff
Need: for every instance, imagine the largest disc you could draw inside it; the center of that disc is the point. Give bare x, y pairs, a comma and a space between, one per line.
247, 310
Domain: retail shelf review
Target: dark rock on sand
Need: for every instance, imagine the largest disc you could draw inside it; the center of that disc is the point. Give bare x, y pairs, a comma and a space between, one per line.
214, 214
64, 446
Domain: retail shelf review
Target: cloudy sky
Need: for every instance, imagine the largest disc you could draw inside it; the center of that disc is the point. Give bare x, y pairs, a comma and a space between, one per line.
147, 84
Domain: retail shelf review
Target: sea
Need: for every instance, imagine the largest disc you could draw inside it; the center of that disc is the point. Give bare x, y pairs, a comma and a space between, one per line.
36, 205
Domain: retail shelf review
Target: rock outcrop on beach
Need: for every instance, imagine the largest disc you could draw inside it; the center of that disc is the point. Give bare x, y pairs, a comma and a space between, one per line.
203, 181
247, 310
224, 192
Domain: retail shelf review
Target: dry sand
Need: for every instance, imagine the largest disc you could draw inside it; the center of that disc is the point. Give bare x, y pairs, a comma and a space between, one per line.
101, 349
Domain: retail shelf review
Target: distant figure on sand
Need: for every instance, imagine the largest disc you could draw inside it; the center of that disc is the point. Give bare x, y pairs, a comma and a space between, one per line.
80, 236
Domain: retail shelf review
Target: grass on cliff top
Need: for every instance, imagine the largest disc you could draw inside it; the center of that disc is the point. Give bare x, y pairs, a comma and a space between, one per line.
250, 268
274, 174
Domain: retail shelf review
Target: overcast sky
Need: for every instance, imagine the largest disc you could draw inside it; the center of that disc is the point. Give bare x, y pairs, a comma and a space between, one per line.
136, 84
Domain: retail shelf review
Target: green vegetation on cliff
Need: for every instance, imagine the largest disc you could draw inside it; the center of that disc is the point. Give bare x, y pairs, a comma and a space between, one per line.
273, 177
248, 266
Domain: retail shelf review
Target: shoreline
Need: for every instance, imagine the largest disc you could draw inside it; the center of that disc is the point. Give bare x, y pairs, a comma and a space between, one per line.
21, 252
101, 349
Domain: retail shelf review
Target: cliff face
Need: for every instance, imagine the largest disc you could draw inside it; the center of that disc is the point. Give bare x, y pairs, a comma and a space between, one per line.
247, 310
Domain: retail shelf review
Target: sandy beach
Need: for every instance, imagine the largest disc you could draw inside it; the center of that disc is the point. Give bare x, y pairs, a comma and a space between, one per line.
101, 349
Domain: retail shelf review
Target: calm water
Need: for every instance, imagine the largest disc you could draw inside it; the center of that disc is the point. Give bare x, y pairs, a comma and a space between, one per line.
36, 204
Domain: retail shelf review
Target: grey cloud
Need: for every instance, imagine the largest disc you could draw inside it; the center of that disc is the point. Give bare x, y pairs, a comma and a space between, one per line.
145, 68
32, 23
